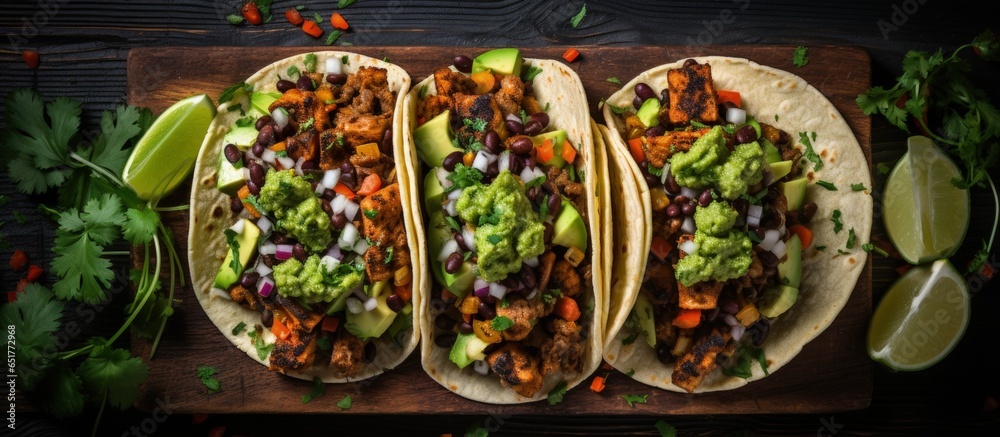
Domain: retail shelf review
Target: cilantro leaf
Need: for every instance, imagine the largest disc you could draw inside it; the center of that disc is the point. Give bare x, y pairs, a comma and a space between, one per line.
556, 395
140, 225
858, 187
318, 388
235, 19
108, 149
810, 154
575, 21
234, 246
464, 177
63, 391
618, 110
882, 168
837, 225
310, 62
79, 250
868, 247
635, 399
345, 403
231, 92
263, 349
39, 148
205, 374
345, 3
531, 73
476, 431
35, 316
502, 323
333, 37
850, 238
240, 327
665, 429
150, 317
494, 239
800, 58
476, 124
827, 185
113, 374
614, 80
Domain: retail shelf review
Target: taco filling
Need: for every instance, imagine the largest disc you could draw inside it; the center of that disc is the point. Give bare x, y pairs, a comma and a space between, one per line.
320, 248
506, 215
727, 195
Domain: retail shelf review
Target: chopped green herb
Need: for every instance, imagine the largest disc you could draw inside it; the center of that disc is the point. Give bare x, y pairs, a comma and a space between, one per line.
423, 92
618, 110
464, 177
235, 19
635, 399
729, 129
371, 213
239, 328
653, 170
776, 118
746, 356
850, 239
665, 429
389, 252
800, 59
843, 252
820, 248
575, 21
556, 395
698, 124
341, 5
827, 185
501, 323
293, 71
810, 154
494, 239
630, 339
882, 168
234, 246
245, 121
300, 8
281, 154
318, 388
614, 80
345, 403
858, 187
263, 349
536, 182
205, 374
476, 124
630, 373
307, 125
531, 73
466, 256
231, 92
310, 62
345, 60
21, 219
868, 247
333, 37
837, 225
317, 18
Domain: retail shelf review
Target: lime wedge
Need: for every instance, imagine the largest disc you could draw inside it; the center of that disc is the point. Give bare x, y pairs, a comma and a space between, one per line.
921, 318
165, 155
925, 215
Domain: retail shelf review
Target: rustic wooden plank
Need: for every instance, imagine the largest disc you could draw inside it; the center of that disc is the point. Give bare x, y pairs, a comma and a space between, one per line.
158, 77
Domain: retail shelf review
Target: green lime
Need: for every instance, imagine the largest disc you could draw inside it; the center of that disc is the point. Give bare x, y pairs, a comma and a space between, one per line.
925, 214
921, 318
165, 155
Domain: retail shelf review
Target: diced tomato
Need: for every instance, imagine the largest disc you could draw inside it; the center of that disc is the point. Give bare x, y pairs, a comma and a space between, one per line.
661, 247
635, 146
312, 29
330, 324
339, 22
986, 271
18, 260
342, 189
279, 329
34, 272
568, 152
571, 54
251, 13
545, 152
567, 308
370, 185
805, 235
22, 284
731, 97
30, 57
687, 318
404, 292
597, 385
293, 16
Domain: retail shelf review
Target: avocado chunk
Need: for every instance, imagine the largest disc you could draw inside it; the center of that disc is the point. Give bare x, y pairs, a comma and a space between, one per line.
433, 191
228, 179
248, 248
790, 270
780, 169
771, 153
569, 229
460, 350
558, 138
499, 61
433, 139
648, 111
371, 324
339, 303
460, 282
242, 136
777, 300
261, 101
643, 311
795, 192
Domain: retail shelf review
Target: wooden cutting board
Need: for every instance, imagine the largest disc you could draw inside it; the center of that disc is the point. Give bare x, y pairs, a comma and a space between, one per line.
832, 373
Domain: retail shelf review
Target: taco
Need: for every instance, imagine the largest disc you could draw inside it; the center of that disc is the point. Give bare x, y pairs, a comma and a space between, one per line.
511, 227
753, 234
300, 242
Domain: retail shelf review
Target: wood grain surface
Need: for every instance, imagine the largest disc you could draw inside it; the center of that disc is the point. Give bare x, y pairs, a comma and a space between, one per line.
158, 77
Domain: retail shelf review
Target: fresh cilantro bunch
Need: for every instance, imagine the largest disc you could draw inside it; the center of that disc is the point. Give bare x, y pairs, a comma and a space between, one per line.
44, 150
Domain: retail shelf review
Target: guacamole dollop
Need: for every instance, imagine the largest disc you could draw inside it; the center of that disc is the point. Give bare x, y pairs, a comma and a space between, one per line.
723, 252
508, 231
312, 283
298, 211
709, 163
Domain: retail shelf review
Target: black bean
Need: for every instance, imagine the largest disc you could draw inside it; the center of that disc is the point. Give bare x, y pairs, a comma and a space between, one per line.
262, 121
515, 127
486, 311
687, 209
690, 63
267, 317
783, 138
265, 136
445, 340
308, 165
305, 83
463, 63
672, 186
269, 260
651, 179
533, 193
336, 78
759, 330
705, 198
395, 303
767, 258
673, 210
461, 242
492, 142
741, 205
257, 174
555, 202
492, 170
288, 130
637, 102
443, 322
254, 188
644, 91
664, 354
527, 277
235, 205
656, 131
456, 123
529, 161
232, 153
257, 148
665, 97
299, 252
522, 146
453, 263
452, 160
465, 327
542, 118
249, 279
386, 145
746, 134
808, 211
339, 220
760, 233
532, 127
285, 85
516, 166
370, 351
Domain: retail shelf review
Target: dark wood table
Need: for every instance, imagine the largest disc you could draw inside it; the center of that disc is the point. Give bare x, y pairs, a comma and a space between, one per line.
84, 47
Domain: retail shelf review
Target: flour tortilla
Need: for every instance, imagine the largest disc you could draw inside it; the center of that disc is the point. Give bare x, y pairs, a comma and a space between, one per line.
210, 215
827, 277
561, 87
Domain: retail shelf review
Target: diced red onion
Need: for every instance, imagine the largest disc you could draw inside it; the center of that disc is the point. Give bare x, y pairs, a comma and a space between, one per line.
755, 211
280, 117
329, 263
442, 176
527, 175
779, 249
482, 288
730, 319
218, 292
481, 161
737, 331
263, 269
237, 227
449, 247
736, 116
688, 225
335, 252
330, 178
370, 304
268, 156
338, 204
351, 210
454, 195
481, 367
298, 166
753, 222
470, 238
532, 262
451, 209
334, 65
688, 247
514, 117
264, 224
503, 161
265, 285
267, 248
771, 236
361, 246
354, 305
285, 162
689, 193
283, 251
348, 236
666, 171
497, 290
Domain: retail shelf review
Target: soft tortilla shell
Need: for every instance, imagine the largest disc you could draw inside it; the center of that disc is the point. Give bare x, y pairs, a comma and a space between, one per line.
210, 216
561, 87
828, 278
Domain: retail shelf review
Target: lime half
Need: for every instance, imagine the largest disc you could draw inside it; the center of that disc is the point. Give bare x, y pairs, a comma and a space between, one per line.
925, 215
165, 155
921, 318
